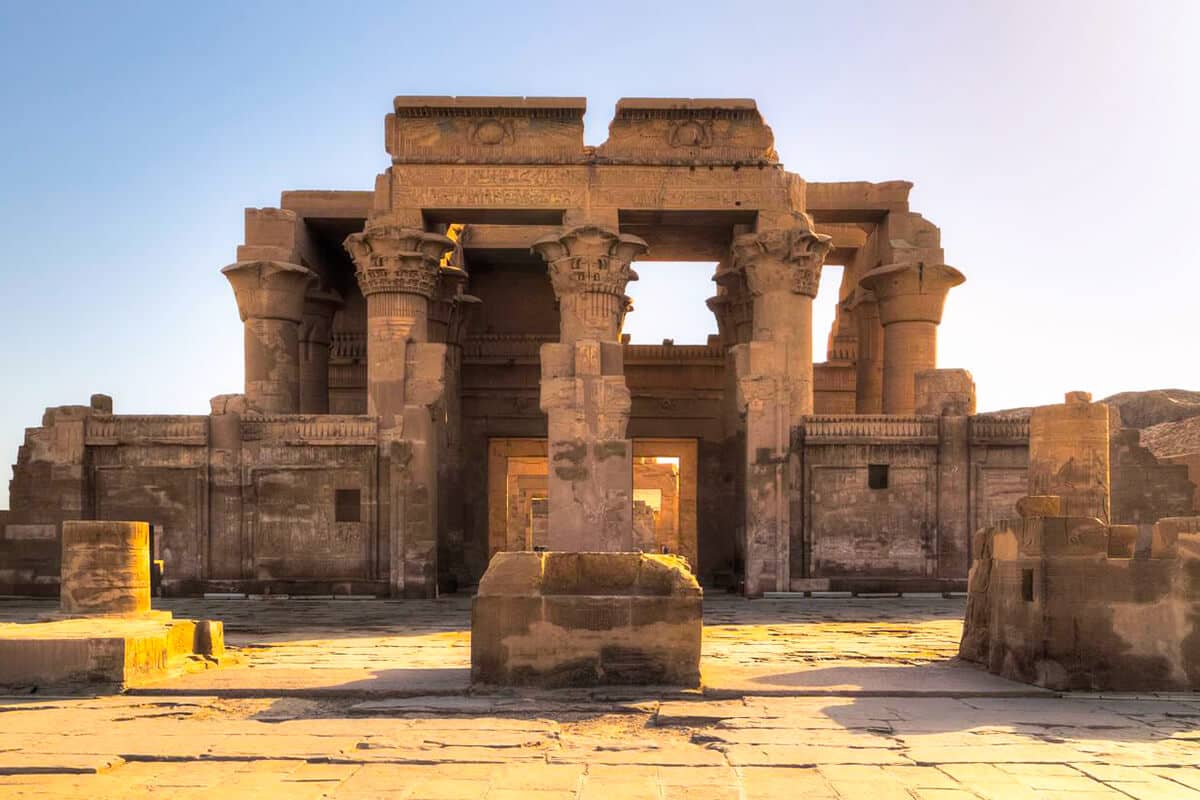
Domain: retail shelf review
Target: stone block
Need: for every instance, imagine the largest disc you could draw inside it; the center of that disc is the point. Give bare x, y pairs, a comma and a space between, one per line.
583, 619
1122, 541
1044, 505
209, 638
945, 392
102, 653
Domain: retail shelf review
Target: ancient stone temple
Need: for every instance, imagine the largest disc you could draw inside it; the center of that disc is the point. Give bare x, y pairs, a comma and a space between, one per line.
435, 373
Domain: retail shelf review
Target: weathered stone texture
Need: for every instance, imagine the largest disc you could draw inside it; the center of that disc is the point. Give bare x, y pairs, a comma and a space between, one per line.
1071, 603
475, 296
105, 568
580, 619
1061, 598
1069, 455
1145, 489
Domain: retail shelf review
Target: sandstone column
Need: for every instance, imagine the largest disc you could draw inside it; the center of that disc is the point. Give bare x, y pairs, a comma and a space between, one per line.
315, 328
583, 390
868, 389
105, 567
449, 317
270, 298
911, 297
782, 267
397, 270
1069, 455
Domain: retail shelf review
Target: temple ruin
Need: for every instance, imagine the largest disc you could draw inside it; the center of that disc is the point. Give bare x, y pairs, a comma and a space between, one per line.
435, 373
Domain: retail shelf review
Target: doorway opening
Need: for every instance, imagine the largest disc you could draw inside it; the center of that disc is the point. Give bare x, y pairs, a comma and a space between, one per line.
664, 495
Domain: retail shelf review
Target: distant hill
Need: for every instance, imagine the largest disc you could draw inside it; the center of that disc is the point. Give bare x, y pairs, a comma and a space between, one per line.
1173, 438
1169, 419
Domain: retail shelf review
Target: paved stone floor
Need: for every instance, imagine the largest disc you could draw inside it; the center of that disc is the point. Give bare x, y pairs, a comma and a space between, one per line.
804, 699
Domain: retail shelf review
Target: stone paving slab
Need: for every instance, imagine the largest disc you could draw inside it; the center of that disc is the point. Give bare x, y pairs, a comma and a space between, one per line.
366, 649
871, 739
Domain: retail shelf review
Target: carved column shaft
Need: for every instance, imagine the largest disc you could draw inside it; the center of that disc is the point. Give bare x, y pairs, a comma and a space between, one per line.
397, 270
315, 336
868, 387
911, 297
583, 390
781, 269
909, 347
270, 297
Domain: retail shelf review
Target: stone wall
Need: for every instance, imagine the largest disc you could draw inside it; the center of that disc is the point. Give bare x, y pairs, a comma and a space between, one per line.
243, 502
889, 502
1073, 604
1145, 488
236, 502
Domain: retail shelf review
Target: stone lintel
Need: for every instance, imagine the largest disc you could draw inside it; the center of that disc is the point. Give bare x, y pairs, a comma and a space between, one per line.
687, 131
486, 130
415, 104
855, 201
684, 107
328, 204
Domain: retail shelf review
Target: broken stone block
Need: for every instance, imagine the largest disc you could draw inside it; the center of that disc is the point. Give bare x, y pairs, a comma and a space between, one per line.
105, 567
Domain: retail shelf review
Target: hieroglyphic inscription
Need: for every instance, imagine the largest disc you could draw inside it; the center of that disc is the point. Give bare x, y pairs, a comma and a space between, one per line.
611, 186
485, 186
685, 187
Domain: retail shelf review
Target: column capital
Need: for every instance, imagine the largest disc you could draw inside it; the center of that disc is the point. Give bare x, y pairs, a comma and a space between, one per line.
320, 305
590, 259
911, 292
782, 259
395, 259
863, 297
269, 289
733, 306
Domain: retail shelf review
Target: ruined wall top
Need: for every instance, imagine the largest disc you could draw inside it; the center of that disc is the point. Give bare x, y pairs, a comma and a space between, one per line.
549, 130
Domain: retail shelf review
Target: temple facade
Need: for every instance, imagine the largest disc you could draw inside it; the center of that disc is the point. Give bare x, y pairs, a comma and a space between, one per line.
435, 372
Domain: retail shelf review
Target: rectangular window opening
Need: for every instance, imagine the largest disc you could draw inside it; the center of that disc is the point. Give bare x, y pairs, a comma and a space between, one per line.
1027, 585
347, 505
877, 476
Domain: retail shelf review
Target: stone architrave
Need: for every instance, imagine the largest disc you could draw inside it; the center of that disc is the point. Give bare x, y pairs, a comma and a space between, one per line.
398, 273
583, 390
911, 297
270, 297
782, 268
315, 335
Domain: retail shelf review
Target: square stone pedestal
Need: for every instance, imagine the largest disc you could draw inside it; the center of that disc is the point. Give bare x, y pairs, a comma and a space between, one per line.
105, 653
555, 620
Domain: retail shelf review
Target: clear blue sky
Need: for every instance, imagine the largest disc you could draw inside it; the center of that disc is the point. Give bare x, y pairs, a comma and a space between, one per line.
1056, 144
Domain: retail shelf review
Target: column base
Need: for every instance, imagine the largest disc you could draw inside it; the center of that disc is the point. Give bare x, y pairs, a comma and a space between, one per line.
70, 654
558, 619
